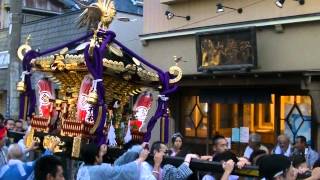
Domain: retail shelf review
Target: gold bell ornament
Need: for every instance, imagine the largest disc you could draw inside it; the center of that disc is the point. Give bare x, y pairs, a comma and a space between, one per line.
93, 95
21, 86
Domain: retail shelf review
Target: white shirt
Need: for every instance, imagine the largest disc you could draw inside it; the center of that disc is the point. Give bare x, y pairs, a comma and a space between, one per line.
209, 177
249, 151
146, 172
279, 151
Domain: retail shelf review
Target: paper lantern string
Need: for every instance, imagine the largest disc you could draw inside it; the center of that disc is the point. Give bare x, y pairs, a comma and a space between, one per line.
112, 136
128, 136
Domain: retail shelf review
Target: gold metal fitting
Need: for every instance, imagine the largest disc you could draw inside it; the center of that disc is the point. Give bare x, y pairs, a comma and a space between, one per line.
92, 97
23, 49
21, 86
50, 141
58, 103
75, 95
58, 63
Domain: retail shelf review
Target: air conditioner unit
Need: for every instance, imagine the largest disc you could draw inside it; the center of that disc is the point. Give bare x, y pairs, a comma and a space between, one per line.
6, 4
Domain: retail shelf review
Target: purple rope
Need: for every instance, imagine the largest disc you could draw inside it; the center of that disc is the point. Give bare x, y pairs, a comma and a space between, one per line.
95, 67
66, 44
158, 70
32, 102
29, 91
166, 90
153, 121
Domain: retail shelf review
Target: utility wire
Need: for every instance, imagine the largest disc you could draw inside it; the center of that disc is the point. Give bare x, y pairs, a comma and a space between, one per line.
216, 16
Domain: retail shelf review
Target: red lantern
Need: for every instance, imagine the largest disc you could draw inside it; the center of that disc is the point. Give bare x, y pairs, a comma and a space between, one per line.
83, 107
141, 108
45, 94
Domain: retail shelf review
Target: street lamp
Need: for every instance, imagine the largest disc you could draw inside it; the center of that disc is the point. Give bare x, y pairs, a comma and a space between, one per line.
280, 3
170, 15
301, 2
220, 8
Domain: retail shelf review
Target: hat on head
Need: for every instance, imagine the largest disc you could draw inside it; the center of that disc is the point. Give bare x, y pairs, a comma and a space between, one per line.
273, 165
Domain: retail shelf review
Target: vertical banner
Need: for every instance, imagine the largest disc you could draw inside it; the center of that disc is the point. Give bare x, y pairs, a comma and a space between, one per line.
83, 107
141, 109
46, 92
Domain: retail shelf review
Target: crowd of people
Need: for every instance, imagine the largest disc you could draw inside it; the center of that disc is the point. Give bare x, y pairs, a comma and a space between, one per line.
286, 160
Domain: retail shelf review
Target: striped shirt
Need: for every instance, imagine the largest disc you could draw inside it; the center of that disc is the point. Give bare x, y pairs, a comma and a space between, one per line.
3, 156
168, 172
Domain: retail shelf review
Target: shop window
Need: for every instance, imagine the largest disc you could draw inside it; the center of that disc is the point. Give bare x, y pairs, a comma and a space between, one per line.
296, 116
223, 117
195, 115
199, 118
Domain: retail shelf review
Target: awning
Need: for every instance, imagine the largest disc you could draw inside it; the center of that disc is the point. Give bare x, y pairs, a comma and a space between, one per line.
230, 96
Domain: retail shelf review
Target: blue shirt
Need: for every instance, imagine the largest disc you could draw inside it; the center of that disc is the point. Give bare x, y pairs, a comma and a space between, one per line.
122, 170
18, 170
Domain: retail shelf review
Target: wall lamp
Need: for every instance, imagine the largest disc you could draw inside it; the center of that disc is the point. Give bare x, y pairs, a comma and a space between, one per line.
280, 3
171, 15
220, 8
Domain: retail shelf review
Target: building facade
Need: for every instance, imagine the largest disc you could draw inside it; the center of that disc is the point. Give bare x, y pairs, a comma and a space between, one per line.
272, 88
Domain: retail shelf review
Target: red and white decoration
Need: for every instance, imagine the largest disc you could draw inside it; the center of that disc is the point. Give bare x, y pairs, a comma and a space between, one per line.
141, 109
83, 107
45, 91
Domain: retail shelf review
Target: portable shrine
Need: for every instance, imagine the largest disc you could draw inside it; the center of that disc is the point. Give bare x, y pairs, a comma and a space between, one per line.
87, 82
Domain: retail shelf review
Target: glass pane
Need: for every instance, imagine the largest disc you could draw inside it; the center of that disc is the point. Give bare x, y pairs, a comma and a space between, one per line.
196, 116
294, 121
189, 127
286, 104
305, 130
247, 115
256, 115
305, 109
226, 115
289, 133
282, 125
266, 113
204, 108
300, 124
203, 128
188, 104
